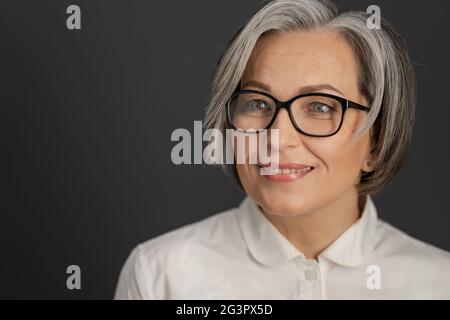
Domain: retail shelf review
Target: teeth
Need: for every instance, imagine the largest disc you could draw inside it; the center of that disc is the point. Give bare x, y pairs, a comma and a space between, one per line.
278, 171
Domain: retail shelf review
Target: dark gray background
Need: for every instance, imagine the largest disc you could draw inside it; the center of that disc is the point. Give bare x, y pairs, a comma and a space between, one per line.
86, 119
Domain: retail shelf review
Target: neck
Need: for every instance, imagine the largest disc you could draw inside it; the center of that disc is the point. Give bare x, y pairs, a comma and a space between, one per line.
314, 231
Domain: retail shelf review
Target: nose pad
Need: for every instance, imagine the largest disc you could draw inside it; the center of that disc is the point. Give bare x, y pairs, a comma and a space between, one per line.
282, 120
288, 136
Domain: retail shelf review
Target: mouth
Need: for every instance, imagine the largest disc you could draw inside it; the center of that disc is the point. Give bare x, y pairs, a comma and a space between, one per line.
282, 172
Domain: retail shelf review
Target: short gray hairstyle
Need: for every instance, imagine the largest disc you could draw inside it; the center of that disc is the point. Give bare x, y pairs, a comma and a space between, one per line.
386, 76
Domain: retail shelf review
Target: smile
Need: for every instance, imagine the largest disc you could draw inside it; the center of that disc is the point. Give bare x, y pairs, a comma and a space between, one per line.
285, 172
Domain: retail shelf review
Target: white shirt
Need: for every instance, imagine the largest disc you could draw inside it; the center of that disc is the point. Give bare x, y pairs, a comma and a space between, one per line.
239, 254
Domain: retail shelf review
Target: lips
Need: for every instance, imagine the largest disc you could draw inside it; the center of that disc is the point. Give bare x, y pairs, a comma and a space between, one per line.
285, 171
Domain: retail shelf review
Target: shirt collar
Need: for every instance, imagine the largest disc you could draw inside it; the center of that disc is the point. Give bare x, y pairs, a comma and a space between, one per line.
268, 246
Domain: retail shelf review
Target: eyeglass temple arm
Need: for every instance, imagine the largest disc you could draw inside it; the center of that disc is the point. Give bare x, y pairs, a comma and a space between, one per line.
355, 105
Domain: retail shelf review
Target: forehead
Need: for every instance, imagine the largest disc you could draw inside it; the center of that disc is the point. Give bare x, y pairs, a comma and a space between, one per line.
303, 58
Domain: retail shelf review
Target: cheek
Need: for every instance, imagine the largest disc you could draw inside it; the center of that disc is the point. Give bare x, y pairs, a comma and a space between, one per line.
244, 170
244, 173
341, 162
344, 159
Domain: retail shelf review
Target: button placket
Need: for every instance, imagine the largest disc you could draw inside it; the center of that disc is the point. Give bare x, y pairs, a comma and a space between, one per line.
312, 282
310, 274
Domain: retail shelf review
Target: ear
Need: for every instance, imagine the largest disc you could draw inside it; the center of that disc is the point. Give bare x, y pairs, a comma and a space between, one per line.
369, 163
368, 166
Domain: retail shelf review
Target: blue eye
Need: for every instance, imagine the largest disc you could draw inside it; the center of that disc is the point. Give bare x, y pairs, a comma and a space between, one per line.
257, 105
319, 107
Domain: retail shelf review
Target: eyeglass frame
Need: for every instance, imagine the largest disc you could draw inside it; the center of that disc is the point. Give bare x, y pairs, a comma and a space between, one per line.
345, 104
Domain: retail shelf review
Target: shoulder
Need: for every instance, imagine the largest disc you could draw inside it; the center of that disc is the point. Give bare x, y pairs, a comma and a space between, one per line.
423, 264
208, 232
398, 242
151, 262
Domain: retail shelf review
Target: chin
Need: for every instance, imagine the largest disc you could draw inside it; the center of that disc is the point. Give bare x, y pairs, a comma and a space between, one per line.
281, 203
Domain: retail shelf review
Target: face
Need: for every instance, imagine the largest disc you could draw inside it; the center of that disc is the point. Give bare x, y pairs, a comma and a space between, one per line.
285, 66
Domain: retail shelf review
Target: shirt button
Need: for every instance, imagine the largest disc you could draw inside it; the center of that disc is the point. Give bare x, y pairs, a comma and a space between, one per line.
310, 275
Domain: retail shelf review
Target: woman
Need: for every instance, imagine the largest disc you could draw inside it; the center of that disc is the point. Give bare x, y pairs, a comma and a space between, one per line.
308, 230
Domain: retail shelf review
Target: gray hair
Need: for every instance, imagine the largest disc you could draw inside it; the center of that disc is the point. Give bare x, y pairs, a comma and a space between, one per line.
386, 76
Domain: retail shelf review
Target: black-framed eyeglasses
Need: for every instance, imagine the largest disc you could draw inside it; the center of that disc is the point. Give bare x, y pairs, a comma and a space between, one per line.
314, 114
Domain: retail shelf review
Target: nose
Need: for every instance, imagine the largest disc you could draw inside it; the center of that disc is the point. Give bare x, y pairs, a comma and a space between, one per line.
289, 137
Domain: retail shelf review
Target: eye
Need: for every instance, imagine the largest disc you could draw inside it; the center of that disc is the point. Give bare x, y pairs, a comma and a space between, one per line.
257, 105
320, 107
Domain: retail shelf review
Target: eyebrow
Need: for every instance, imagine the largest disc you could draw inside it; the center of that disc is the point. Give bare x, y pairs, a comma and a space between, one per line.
306, 89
